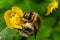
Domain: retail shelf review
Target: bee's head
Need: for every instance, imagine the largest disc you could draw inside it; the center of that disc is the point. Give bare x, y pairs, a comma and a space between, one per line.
28, 16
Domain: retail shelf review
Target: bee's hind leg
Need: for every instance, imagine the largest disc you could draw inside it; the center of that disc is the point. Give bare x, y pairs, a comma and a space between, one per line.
35, 32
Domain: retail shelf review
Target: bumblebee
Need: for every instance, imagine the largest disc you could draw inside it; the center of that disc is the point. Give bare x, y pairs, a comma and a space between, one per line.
26, 23
31, 25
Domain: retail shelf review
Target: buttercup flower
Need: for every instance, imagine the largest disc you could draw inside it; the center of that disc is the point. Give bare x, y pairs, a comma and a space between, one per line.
13, 17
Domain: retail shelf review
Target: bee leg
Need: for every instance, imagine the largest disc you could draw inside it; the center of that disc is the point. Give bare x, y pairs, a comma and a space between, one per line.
35, 32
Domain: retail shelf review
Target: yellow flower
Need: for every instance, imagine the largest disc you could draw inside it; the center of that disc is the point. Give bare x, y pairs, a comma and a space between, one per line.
12, 17
52, 6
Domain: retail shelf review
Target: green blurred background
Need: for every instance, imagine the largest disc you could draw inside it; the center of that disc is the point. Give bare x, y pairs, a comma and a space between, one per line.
49, 29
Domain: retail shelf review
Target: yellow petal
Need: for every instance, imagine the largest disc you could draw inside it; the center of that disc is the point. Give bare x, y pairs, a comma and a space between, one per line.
52, 6
7, 17
12, 18
18, 10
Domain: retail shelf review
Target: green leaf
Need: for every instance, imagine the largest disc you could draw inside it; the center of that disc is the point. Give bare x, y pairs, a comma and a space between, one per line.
7, 34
